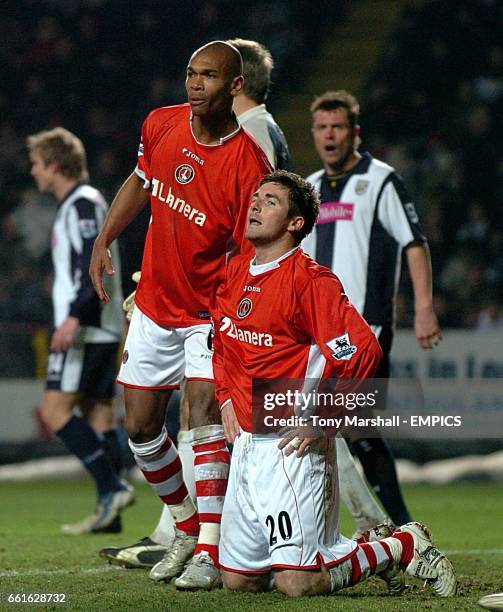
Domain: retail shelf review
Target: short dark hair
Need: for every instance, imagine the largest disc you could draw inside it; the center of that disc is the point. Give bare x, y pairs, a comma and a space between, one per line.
62, 146
257, 68
330, 100
303, 199
233, 59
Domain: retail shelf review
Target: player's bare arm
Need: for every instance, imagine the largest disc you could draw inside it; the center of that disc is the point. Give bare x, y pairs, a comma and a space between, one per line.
230, 423
426, 325
128, 202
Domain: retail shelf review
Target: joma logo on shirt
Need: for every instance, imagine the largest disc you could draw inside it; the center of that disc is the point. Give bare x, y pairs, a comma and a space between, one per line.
177, 204
193, 156
244, 335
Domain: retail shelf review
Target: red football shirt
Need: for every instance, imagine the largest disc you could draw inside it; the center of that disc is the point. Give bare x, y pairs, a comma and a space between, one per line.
282, 320
200, 195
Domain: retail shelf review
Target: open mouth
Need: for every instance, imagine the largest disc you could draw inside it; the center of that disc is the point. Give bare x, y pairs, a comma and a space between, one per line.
253, 221
330, 148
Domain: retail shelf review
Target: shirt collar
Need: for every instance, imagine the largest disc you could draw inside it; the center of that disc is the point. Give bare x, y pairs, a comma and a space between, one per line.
221, 140
257, 269
70, 192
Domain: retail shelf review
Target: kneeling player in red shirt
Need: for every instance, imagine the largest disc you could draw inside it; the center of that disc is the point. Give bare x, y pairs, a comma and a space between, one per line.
281, 315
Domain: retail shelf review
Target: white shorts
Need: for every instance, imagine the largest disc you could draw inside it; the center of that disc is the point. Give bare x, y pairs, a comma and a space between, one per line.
157, 357
281, 512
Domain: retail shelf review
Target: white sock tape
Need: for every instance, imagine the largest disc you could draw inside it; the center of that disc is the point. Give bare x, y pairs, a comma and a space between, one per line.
149, 448
182, 511
207, 433
209, 534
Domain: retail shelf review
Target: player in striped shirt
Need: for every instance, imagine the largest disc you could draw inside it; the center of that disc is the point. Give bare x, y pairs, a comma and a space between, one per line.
366, 219
84, 345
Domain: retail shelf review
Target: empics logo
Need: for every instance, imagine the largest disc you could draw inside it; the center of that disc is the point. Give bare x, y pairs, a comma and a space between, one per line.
244, 308
184, 174
342, 347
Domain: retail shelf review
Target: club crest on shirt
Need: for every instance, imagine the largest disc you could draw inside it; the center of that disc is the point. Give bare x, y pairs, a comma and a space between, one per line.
244, 308
342, 347
125, 356
184, 174
361, 187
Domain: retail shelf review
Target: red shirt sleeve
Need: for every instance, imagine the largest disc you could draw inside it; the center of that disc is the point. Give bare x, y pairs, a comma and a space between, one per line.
343, 336
222, 394
142, 164
151, 131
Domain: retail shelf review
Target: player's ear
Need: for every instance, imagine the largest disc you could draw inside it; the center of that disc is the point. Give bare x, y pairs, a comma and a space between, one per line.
296, 224
53, 166
237, 85
357, 138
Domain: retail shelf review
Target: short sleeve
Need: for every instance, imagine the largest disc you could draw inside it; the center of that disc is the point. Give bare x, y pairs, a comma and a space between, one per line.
142, 165
397, 214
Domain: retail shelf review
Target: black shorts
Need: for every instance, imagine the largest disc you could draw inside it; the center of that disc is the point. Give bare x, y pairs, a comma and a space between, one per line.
385, 338
87, 369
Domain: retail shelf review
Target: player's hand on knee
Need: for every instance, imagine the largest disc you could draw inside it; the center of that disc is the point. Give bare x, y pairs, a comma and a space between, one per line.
230, 423
300, 440
296, 444
128, 304
101, 261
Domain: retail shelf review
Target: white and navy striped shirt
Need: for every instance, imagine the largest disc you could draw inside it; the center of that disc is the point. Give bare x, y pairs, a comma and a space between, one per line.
366, 219
259, 122
79, 218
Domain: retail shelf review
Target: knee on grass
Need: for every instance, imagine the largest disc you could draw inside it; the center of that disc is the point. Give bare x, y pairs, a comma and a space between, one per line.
298, 583
239, 582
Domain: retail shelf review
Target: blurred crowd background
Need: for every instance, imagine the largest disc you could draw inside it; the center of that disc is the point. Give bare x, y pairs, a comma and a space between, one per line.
432, 106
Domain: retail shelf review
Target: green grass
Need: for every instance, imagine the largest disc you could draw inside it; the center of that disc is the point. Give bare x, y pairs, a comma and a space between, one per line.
466, 519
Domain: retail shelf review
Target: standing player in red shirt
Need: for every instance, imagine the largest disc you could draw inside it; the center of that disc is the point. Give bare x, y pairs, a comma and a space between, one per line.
283, 316
200, 169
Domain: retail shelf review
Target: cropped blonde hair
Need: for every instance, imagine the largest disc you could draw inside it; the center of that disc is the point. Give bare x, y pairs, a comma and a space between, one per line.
61, 146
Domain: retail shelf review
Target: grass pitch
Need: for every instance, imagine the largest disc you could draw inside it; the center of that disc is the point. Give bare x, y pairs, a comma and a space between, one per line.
466, 521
